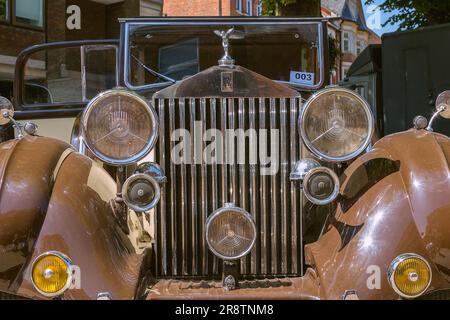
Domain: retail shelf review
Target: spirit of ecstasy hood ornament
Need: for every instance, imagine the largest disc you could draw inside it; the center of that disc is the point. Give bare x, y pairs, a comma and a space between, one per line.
227, 60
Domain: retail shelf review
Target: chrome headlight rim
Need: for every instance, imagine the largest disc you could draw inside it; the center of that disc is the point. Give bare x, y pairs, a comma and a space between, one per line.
393, 267
154, 184
333, 196
70, 276
321, 155
230, 207
154, 132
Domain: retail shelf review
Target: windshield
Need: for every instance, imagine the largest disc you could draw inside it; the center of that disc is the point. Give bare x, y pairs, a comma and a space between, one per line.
158, 54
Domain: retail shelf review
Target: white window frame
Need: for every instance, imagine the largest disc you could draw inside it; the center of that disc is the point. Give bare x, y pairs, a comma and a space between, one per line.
239, 6
259, 9
249, 7
350, 42
346, 41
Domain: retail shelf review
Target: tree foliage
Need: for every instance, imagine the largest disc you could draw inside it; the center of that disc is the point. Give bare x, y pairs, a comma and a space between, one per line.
309, 8
411, 14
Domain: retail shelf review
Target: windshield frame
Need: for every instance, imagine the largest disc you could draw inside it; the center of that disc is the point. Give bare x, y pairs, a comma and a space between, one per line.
128, 24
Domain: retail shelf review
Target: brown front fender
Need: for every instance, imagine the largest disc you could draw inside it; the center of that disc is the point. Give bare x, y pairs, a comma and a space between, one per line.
27, 169
407, 211
80, 224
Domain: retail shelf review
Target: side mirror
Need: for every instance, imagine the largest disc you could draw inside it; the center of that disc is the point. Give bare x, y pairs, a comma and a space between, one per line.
442, 108
443, 104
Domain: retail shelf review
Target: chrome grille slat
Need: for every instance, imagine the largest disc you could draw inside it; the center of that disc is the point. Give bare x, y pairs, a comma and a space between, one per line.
242, 185
214, 189
294, 112
183, 192
195, 190
253, 149
204, 194
274, 205
264, 213
173, 191
162, 246
284, 181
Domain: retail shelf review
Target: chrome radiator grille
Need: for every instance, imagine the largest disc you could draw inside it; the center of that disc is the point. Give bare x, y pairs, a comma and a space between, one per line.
193, 191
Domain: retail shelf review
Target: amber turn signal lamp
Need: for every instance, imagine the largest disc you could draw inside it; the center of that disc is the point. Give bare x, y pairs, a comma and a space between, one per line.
410, 275
52, 274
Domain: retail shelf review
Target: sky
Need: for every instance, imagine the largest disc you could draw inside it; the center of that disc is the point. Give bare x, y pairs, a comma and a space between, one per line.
375, 18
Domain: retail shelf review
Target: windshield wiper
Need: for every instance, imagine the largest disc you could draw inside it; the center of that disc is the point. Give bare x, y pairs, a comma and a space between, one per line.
153, 72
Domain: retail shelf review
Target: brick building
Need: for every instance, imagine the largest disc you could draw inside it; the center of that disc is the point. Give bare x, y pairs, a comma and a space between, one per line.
24, 23
350, 32
212, 8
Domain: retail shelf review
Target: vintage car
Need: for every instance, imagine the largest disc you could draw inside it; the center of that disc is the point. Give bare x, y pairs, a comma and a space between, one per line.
157, 173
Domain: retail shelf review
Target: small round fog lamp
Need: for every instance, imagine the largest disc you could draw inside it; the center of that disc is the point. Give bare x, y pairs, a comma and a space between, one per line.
141, 192
321, 186
409, 275
52, 274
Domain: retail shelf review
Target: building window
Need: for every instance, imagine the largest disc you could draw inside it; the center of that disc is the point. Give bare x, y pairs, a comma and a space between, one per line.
259, 9
29, 13
360, 46
4, 10
250, 7
239, 5
345, 72
348, 42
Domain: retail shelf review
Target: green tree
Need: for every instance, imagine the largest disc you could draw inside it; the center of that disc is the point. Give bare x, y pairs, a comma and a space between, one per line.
412, 14
299, 8
2, 8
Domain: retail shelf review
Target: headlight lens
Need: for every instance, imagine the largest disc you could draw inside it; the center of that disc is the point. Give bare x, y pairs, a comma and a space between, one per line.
336, 124
52, 274
141, 192
230, 232
409, 275
119, 127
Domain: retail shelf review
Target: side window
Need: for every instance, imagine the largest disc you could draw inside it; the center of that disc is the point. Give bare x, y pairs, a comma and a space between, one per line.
69, 74
250, 7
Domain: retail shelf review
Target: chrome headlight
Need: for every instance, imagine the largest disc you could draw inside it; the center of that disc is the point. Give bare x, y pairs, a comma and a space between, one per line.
409, 275
336, 124
119, 127
141, 192
230, 232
